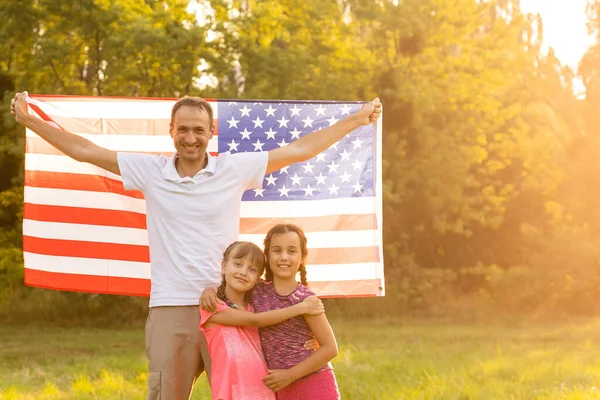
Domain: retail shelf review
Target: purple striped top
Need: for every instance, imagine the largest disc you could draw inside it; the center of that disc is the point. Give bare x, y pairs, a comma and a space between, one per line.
283, 344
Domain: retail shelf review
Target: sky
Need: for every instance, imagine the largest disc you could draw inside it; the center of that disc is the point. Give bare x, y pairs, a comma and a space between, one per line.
564, 27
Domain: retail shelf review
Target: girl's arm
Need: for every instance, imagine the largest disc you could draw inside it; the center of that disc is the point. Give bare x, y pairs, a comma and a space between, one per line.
232, 317
319, 325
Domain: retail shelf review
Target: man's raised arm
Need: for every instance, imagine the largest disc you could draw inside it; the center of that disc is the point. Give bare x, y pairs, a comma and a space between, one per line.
72, 145
310, 146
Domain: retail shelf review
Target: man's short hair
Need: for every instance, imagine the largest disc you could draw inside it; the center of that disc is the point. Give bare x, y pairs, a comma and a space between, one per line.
196, 102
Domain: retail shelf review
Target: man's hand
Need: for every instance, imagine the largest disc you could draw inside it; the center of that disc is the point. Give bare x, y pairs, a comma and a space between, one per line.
312, 305
370, 112
208, 300
278, 379
18, 106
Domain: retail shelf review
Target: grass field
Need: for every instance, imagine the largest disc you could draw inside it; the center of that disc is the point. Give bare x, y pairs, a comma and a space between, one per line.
381, 360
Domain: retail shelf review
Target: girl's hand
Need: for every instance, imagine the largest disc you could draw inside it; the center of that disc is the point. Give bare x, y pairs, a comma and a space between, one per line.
311, 344
313, 306
278, 379
208, 300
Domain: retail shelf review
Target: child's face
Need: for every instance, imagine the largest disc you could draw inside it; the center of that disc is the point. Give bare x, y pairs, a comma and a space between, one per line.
285, 255
241, 274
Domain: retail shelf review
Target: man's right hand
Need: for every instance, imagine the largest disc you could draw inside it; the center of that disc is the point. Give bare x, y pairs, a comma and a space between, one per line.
208, 300
18, 106
313, 306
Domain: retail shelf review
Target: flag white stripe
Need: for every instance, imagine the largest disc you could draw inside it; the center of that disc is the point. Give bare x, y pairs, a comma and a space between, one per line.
110, 108
249, 209
135, 236
140, 270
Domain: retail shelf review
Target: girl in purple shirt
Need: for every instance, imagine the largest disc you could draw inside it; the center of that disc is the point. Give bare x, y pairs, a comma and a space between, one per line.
294, 371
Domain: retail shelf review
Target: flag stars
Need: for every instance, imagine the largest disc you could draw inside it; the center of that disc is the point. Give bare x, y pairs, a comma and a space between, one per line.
332, 120
321, 157
345, 155
258, 145
233, 145
259, 192
357, 188
308, 168
246, 134
233, 122
245, 111
345, 177
308, 122
295, 111
271, 134
333, 189
295, 133
282, 143
258, 122
320, 179
271, 180
308, 191
332, 167
284, 170
357, 165
320, 110
357, 143
270, 111
296, 179
345, 109
283, 191
283, 122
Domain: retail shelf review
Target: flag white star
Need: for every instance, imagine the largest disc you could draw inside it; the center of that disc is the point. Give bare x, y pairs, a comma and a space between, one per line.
308, 122
332, 120
357, 143
296, 133
270, 134
334, 146
308, 191
345, 177
321, 179
232, 103
282, 143
345, 155
233, 145
284, 170
321, 157
320, 110
357, 165
296, 179
283, 191
258, 192
246, 134
308, 168
283, 122
345, 109
271, 180
233, 122
270, 111
332, 167
333, 189
295, 111
258, 145
357, 187
245, 111
258, 122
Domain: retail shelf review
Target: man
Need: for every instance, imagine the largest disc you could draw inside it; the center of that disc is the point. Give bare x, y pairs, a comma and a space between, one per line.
192, 208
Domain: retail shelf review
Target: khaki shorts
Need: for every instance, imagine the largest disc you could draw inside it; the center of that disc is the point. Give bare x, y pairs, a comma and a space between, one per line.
177, 352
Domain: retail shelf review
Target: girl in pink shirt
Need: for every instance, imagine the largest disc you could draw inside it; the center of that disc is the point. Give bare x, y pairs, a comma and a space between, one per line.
238, 365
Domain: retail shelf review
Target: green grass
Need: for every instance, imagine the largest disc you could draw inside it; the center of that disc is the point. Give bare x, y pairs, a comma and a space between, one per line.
377, 360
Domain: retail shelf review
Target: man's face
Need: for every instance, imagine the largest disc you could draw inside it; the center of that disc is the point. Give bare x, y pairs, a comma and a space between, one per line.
191, 133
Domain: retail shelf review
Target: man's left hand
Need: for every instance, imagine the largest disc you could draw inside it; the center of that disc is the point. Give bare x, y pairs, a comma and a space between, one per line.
370, 112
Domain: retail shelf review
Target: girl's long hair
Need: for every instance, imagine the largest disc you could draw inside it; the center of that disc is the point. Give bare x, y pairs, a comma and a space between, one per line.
242, 250
285, 228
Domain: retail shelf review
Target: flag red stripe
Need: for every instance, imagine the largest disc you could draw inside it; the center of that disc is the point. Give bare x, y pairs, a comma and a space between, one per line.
141, 287
128, 219
91, 183
43, 115
129, 252
72, 98
78, 248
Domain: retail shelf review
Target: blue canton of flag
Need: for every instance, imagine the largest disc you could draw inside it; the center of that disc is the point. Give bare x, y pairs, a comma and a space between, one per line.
346, 169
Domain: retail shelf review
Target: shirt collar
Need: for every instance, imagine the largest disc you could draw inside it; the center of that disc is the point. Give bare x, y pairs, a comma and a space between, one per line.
169, 172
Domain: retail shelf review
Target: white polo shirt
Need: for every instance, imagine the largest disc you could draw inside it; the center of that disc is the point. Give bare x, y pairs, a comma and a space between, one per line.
190, 221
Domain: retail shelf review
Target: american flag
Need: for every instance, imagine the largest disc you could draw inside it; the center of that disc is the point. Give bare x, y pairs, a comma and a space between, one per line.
83, 232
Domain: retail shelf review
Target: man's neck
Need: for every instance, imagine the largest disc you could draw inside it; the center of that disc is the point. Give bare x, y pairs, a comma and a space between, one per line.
190, 168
